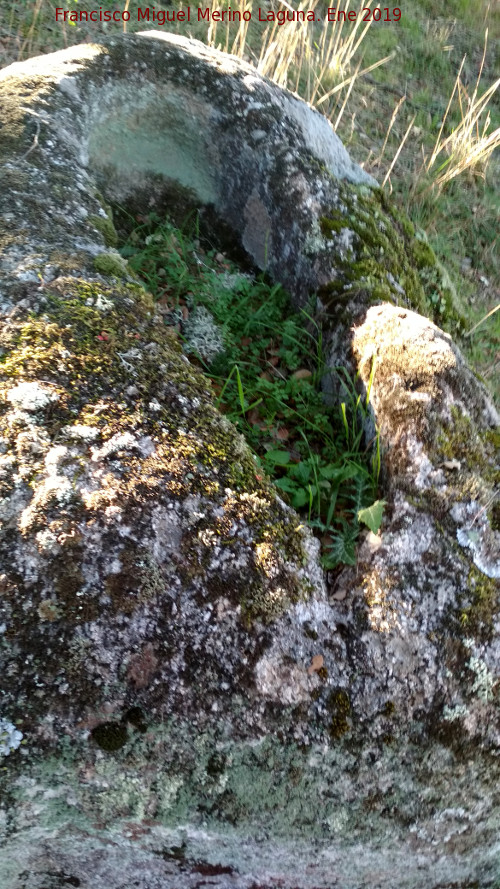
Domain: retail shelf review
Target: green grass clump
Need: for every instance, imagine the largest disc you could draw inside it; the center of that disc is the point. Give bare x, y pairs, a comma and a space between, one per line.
266, 366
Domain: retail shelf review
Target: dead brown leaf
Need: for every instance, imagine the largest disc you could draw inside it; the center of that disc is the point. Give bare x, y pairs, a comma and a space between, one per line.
316, 663
283, 434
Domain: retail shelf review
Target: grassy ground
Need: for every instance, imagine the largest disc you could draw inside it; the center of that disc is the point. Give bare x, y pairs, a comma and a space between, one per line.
390, 117
266, 365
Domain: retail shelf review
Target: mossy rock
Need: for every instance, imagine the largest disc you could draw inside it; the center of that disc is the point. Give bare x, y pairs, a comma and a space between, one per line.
162, 611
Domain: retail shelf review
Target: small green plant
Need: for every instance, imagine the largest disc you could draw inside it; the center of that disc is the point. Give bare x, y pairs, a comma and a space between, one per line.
266, 366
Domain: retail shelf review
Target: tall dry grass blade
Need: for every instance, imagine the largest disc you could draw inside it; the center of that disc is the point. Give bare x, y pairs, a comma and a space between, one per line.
348, 80
294, 56
495, 309
346, 99
280, 53
398, 152
27, 45
443, 122
212, 28
392, 121
240, 41
127, 4
336, 54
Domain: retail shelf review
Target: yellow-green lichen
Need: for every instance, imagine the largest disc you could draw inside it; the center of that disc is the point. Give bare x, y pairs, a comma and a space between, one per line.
266, 602
73, 345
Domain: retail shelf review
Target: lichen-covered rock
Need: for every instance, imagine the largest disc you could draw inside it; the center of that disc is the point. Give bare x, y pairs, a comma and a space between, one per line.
438, 427
195, 703
161, 121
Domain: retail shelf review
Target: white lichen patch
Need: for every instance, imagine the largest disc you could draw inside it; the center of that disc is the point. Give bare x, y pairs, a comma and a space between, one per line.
55, 489
345, 241
426, 475
484, 681
229, 281
103, 304
47, 542
81, 432
454, 713
475, 534
315, 241
30, 397
10, 737
203, 335
123, 441
55, 457
415, 536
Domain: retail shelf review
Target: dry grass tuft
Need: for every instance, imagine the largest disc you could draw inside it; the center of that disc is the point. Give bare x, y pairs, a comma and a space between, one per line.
469, 146
294, 55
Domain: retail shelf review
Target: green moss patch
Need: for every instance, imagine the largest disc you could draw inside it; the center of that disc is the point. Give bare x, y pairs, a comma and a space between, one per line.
110, 265
104, 224
388, 260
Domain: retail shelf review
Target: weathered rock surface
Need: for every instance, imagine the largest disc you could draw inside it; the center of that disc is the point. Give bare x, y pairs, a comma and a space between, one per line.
160, 607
